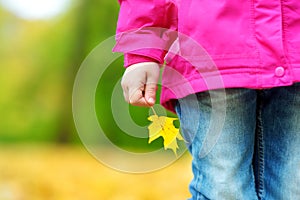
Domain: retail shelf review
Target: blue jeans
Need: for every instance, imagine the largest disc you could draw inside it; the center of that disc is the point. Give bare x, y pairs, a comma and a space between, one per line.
257, 152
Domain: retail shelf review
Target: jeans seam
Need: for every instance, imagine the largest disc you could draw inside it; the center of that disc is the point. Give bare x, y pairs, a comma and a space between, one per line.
260, 149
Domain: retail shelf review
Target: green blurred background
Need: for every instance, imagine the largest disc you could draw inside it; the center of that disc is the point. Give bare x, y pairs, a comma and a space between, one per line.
41, 155
39, 60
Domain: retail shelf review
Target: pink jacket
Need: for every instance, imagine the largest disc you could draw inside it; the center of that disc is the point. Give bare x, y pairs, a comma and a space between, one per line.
227, 43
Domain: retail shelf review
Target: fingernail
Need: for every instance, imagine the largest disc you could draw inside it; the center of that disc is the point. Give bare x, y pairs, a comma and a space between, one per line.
151, 100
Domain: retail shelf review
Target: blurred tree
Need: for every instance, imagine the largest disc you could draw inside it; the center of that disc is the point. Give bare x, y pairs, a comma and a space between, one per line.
95, 21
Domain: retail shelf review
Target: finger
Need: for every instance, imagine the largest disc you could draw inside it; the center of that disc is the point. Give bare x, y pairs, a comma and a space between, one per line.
125, 94
125, 91
138, 99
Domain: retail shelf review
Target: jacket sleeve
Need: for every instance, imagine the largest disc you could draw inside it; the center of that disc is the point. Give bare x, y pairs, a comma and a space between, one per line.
145, 30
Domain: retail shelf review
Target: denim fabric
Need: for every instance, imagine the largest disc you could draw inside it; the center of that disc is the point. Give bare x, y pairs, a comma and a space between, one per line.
257, 154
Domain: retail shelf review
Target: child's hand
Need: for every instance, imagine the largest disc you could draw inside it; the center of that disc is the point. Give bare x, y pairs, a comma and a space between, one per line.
139, 83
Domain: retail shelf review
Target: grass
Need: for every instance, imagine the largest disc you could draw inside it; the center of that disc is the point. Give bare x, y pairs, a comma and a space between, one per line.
48, 172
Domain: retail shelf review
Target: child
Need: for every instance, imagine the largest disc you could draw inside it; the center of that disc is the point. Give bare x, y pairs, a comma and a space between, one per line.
254, 48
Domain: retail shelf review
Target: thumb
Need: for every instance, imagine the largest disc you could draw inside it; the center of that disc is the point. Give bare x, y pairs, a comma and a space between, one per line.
151, 84
150, 93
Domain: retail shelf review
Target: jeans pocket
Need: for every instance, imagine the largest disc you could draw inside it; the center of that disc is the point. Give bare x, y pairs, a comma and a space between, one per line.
188, 112
185, 134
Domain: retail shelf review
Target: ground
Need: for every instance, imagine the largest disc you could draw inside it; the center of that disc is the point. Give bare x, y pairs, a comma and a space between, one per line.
49, 172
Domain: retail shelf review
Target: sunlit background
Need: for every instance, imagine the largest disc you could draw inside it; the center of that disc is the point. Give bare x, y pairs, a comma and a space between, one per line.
36, 9
42, 44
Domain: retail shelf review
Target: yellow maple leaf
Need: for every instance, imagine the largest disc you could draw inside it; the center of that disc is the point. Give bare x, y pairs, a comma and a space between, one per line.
162, 126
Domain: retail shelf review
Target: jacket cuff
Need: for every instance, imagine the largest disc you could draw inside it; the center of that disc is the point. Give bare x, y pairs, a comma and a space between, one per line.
130, 59
148, 42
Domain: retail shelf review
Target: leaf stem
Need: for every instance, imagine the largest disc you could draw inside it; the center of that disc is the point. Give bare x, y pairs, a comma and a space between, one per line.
153, 110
